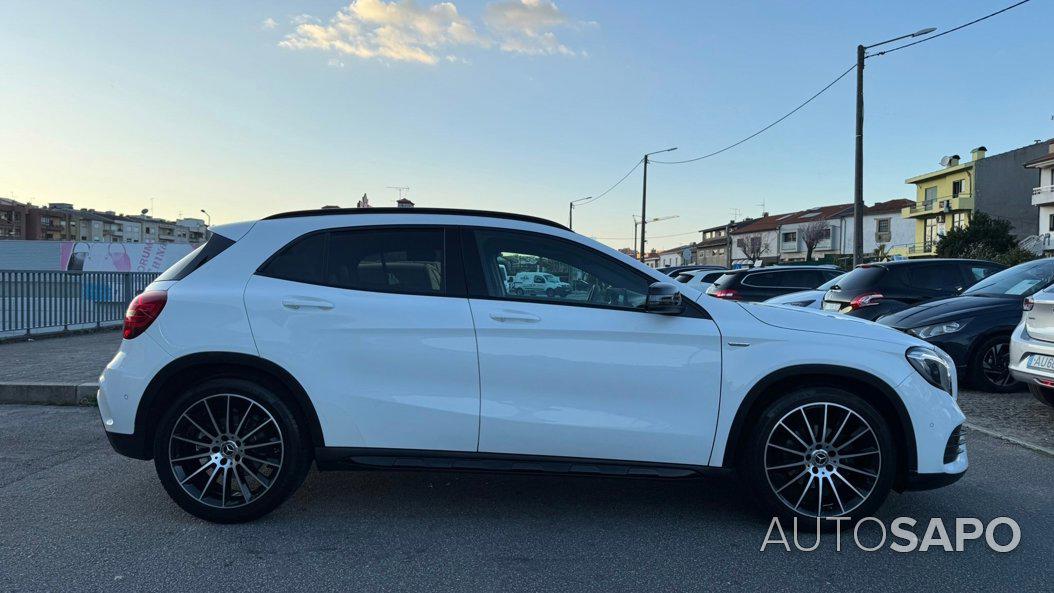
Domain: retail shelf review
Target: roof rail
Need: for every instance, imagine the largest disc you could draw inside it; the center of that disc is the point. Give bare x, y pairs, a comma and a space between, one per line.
446, 211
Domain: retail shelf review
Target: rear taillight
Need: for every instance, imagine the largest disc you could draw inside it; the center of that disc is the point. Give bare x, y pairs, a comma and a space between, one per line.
1028, 304
726, 293
142, 311
865, 300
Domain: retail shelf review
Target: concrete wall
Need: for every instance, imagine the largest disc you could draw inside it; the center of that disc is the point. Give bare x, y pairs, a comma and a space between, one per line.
1004, 187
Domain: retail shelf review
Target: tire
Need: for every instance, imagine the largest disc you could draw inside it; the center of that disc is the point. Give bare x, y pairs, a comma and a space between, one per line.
549, 292
230, 450
786, 474
990, 366
1042, 394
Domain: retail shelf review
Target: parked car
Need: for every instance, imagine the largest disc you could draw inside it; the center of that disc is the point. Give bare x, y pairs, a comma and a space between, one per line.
873, 290
812, 299
1032, 346
975, 328
700, 279
535, 283
383, 338
673, 271
759, 284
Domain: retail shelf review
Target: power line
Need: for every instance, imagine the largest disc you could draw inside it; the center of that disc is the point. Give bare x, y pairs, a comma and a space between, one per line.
617, 183
653, 236
766, 128
963, 26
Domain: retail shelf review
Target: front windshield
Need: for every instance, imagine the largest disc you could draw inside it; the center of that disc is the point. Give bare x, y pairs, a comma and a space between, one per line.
1019, 281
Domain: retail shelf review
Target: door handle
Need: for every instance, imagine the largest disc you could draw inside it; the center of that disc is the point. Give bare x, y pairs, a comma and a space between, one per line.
514, 316
297, 303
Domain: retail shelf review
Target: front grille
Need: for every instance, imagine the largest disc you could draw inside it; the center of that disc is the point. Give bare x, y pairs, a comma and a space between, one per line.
956, 445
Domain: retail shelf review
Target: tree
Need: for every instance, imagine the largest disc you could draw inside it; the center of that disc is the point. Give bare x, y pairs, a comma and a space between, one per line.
984, 232
811, 234
753, 247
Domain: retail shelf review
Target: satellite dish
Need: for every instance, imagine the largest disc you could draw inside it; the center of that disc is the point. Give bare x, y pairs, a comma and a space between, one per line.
945, 161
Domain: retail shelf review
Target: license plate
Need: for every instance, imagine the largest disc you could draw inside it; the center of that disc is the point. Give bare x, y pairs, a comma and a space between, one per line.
1039, 361
831, 306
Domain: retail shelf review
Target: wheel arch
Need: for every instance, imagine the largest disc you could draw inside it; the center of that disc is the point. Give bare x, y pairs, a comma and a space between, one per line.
998, 331
875, 390
193, 368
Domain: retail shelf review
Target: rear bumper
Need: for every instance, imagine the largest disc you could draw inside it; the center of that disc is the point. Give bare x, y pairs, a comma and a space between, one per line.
1022, 346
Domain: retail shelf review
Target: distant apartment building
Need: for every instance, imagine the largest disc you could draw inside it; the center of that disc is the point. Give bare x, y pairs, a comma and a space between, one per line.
884, 228
821, 227
1043, 196
999, 185
712, 249
757, 241
12, 219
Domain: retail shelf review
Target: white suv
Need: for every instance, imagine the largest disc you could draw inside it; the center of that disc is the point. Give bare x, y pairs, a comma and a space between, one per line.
387, 339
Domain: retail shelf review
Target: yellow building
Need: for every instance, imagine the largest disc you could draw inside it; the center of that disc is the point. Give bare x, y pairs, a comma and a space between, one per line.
944, 200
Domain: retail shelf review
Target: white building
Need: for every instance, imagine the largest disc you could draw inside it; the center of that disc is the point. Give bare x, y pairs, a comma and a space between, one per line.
883, 225
1043, 196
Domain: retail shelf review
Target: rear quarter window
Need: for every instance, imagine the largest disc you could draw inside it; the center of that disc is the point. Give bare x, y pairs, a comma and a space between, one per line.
300, 261
216, 245
862, 278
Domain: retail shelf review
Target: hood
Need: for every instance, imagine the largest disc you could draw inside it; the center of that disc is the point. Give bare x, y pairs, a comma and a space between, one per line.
818, 321
950, 309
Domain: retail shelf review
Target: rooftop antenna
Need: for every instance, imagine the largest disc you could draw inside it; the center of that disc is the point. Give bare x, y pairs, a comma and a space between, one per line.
762, 204
402, 189
736, 213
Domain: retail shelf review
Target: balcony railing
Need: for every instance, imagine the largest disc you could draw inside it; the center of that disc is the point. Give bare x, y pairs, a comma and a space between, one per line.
960, 201
924, 248
1043, 194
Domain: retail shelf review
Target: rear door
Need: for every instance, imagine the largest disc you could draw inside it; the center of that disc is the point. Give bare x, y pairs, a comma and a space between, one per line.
374, 323
928, 281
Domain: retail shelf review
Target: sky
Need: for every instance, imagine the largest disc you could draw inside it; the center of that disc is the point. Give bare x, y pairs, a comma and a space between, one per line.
250, 108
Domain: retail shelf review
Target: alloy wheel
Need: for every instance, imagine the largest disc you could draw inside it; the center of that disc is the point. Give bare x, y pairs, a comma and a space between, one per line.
822, 460
995, 365
226, 450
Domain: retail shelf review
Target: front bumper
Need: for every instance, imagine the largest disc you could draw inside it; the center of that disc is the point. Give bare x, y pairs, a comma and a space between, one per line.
936, 420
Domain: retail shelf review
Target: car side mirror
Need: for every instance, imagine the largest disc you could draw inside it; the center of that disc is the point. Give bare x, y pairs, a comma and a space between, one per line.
664, 299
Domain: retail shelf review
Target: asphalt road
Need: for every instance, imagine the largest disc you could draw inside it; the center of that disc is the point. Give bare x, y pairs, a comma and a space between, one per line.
76, 516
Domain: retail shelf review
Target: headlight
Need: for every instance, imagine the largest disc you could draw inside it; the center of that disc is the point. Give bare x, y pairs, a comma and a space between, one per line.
938, 329
934, 366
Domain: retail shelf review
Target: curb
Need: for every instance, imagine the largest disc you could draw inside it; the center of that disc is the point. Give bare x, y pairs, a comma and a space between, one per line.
53, 394
1009, 439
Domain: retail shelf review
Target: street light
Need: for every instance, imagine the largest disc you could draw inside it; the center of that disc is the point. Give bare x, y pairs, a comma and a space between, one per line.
858, 179
571, 210
637, 223
209, 216
644, 199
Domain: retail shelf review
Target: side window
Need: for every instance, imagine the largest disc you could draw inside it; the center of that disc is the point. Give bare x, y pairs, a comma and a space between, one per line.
389, 260
300, 261
583, 276
799, 279
940, 278
763, 280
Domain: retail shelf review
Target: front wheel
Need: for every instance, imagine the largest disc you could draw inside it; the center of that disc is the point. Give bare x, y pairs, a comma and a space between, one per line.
990, 367
230, 450
820, 452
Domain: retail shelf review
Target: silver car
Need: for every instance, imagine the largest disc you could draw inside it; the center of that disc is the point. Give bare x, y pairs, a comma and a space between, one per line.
1032, 346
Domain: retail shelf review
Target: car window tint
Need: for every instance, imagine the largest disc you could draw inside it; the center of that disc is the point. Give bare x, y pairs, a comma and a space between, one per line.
863, 277
978, 272
800, 279
301, 261
390, 260
580, 275
937, 277
763, 279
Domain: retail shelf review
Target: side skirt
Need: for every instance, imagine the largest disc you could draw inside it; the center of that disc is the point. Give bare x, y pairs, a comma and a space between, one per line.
364, 458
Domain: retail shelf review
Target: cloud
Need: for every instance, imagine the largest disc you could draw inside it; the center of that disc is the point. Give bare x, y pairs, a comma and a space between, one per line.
406, 31
269, 23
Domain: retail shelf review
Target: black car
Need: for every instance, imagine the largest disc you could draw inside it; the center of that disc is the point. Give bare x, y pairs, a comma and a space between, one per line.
974, 329
759, 284
873, 290
673, 271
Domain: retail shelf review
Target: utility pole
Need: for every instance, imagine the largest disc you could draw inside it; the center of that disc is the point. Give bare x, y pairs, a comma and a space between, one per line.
858, 177
637, 223
644, 200
728, 244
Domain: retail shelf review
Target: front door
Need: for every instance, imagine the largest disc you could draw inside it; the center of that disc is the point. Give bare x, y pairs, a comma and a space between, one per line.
372, 324
588, 373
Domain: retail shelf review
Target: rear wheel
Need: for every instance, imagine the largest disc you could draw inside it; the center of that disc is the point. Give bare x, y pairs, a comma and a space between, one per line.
230, 450
990, 367
820, 452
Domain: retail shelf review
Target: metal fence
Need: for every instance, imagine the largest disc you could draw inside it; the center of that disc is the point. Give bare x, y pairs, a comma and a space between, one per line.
63, 301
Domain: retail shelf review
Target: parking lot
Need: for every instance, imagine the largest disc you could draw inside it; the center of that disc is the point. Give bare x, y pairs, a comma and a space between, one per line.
76, 516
